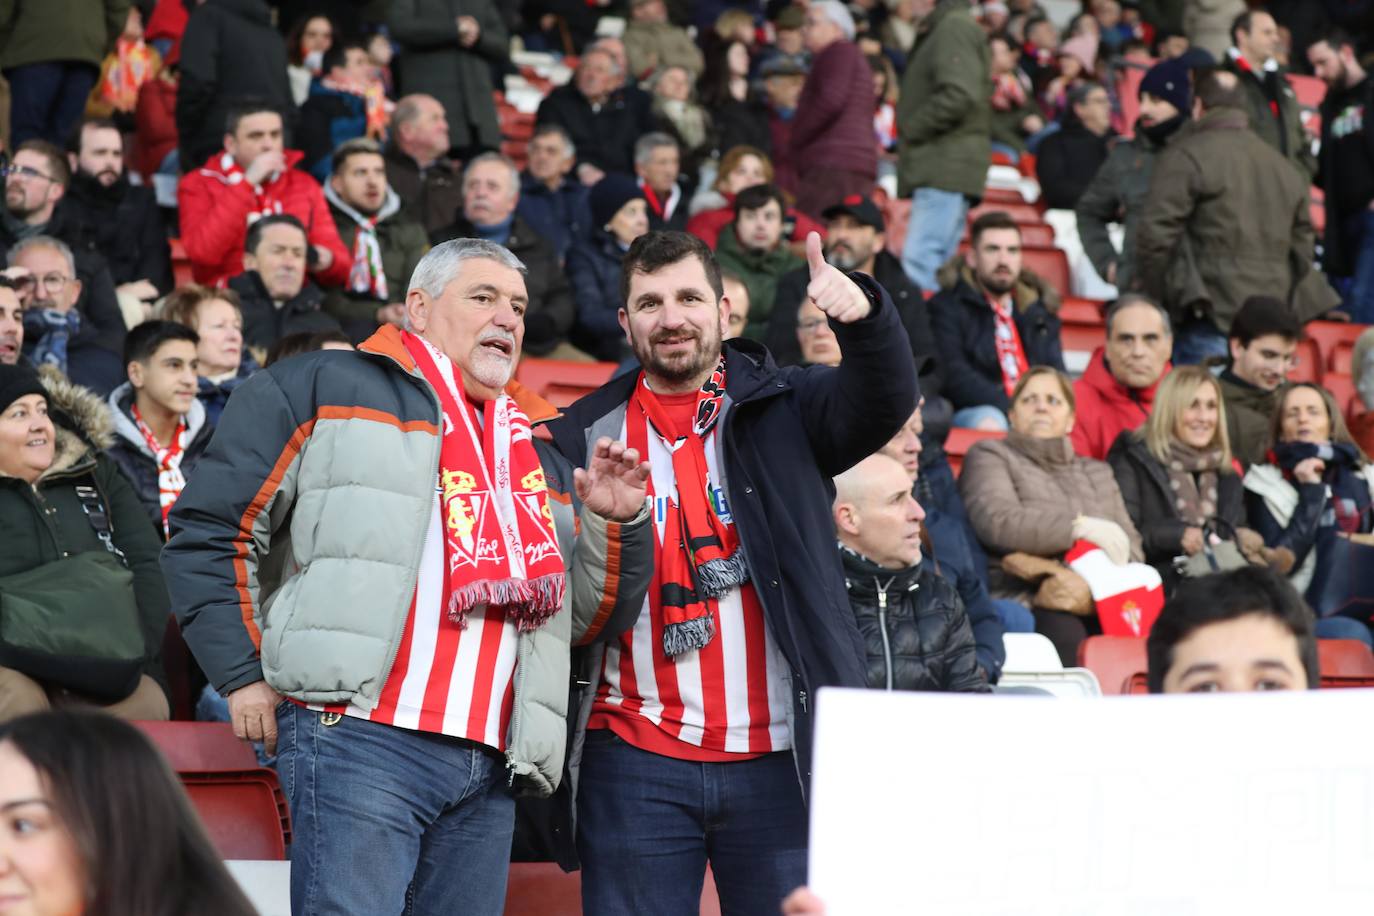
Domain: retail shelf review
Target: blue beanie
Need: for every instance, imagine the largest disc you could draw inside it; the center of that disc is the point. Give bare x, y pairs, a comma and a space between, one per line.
1170, 80
610, 194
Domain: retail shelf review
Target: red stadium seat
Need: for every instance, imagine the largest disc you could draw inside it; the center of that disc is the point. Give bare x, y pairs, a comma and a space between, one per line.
245, 813
200, 747
1309, 89
1118, 661
961, 440
1345, 663
561, 382
1040, 235
1050, 265
1342, 358
1083, 311
1329, 334
1342, 388
1309, 363
181, 264
1024, 214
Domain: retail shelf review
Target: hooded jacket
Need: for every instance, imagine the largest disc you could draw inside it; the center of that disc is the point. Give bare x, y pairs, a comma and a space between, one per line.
264, 323
217, 204
44, 522
760, 271
403, 242
915, 631
964, 328
130, 450
296, 549
1106, 407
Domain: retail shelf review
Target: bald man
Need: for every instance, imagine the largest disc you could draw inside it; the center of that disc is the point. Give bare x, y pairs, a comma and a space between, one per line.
915, 630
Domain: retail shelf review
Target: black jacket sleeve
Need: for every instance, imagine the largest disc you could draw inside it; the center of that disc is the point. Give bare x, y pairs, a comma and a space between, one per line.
1300, 534
955, 662
1161, 536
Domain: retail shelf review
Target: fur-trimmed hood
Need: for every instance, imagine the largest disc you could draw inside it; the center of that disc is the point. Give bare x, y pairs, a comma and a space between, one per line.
80, 417
1029, 286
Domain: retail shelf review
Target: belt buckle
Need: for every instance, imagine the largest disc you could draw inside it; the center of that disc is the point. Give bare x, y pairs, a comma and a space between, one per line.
328, 719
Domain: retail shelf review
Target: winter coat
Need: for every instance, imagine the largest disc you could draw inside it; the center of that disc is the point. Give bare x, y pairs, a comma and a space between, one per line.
605, 137
1149, 498
124, 224
433, 196
264, 324
1066, 162
1353, 111
560, 217
45, 522
223, 204
1243, 212
403, 242
265, 592
833, 127
549, 316
594, 271
915, 631
965, 327
130, 450
433, 62
1105, 408
1282, 131
652, 46
760, 271
783, 435
327, 118
781, 338
230, 52
1005, 126
1022, 495
214, 395
748, 123
944, 118
959, 561
1249, 413
65, 30
1207, 23
155, 130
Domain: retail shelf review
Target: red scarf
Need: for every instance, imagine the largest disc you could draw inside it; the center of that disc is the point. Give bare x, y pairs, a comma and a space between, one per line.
1244, 65
266, 199
1011, 356
170, 480
500, 547
700, 558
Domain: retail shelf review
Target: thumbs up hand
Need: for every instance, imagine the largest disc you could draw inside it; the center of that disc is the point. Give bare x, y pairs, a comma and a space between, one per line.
834, 293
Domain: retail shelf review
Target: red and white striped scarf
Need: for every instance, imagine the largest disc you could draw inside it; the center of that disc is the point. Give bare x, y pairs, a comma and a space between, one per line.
1011, 356
367, 275
170, 480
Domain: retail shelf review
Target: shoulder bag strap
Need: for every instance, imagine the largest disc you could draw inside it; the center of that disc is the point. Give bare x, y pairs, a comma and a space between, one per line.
94, 506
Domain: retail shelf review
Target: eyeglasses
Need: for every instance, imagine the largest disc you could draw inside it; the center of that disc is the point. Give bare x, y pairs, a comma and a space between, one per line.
26, 172
53, 283
811, 325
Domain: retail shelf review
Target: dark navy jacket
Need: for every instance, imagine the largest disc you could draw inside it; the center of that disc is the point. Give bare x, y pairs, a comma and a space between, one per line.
957, 566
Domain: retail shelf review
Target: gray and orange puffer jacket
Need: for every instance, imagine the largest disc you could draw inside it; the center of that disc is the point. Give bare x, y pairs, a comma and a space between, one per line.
296, 547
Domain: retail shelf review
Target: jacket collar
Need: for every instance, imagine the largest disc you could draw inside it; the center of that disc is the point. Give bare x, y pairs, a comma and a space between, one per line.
864, 579
391, 205
387, 342
1048, 453
81, 421
249, 284
1098, 376
957, 275
121, 402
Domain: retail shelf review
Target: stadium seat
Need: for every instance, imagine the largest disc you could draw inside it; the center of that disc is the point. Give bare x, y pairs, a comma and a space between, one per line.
1309, 89
544, 889
181, 264
1342, 388
1118, 661
961, 440
1028, 652
1308, 367
180, 668
1342, 358
1040, 235
245, 812
200, 747
1345, 663
1327, 335
1050, 265
1002, 196
1083, 311
1024, 214
561, 382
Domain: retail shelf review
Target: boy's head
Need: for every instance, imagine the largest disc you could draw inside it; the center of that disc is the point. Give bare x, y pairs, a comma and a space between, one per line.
160, 359
1234, 632
1263, 342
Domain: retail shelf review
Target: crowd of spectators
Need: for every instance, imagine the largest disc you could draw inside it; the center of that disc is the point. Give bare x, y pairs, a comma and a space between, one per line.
195, 190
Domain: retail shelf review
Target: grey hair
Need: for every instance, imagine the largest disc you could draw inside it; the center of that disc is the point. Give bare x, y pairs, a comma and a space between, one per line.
557, 130
43, 241
839, 14
600, 46
496, 157
645, 145
1129, 299
441, 265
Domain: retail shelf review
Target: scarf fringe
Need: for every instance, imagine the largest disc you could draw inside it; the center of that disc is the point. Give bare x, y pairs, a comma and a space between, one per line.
530, 603
716, 577
689, 635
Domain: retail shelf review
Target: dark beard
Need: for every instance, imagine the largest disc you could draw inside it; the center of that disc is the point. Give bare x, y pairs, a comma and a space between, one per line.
998, 287
706, 353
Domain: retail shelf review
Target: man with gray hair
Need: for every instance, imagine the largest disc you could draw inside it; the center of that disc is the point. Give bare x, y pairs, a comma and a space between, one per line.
552, 200
1117, 390
603, 116
658, 169
832, 131
384, 571
417, 162
491, 191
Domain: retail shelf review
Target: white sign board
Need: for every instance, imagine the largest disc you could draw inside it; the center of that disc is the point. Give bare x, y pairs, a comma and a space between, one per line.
1126, 806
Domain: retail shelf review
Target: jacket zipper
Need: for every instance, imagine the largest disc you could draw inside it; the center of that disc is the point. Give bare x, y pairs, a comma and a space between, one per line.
521, 666
882, 628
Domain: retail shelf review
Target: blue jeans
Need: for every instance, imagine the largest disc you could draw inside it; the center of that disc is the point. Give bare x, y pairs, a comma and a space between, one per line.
1197, 340
1016, 617
970, 417
1359, 294
932, 235
648, 824
47, 99
1344, 628
390, 821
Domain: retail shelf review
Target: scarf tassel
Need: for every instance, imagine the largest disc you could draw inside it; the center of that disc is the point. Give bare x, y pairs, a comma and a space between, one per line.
718, 576
528, 602
688, 635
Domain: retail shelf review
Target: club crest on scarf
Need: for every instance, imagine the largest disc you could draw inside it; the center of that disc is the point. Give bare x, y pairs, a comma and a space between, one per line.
500, 545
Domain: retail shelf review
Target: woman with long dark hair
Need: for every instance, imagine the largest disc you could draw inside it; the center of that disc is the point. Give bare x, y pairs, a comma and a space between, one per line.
93, 821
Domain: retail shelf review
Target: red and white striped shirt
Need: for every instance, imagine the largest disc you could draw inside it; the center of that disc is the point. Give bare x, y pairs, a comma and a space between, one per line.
721, 703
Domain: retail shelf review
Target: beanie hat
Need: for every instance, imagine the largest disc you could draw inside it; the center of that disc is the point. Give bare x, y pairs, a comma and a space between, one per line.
610, 194
16, 382
1168, 80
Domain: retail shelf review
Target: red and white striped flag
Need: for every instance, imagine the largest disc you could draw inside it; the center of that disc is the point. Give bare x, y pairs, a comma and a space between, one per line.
1128, 597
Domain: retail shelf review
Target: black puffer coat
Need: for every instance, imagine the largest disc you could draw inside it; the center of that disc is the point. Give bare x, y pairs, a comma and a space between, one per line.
914, 628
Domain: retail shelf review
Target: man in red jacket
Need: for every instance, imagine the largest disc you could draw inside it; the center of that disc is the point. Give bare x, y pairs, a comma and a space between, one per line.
255, 176
1117, 391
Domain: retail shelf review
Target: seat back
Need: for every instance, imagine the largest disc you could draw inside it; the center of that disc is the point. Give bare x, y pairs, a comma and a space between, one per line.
1344, 658
1328, 334
1030, 652
1309, 363
1118, 661
244, 813
1342, 358
961, 440
200, 747
561, 382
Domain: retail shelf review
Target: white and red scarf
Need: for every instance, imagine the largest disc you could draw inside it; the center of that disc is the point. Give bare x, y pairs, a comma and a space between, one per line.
500, 547
367, 275
1011, 356
170, 480
1128, 597
267, 201
376, 106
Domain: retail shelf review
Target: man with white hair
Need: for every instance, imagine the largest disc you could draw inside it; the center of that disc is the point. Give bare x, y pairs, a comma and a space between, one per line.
832, 131
384, 571
491, 191
603, 116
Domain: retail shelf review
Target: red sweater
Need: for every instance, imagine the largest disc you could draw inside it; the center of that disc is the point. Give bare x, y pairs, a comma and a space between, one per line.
1106, 408
216, 207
